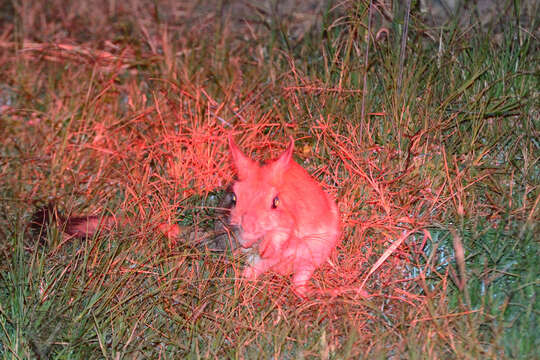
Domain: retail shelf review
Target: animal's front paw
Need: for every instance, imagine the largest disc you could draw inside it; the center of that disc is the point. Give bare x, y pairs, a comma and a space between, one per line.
301, 281
267, 248
250, 273
303, 291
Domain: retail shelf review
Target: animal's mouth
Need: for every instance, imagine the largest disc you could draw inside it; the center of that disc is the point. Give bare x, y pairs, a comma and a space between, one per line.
247, 240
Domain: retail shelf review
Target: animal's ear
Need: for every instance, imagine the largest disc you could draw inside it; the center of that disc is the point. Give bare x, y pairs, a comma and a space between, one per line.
282, 162
244, 165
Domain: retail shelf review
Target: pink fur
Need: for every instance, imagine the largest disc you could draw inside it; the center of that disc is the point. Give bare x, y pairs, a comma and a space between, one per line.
284, 215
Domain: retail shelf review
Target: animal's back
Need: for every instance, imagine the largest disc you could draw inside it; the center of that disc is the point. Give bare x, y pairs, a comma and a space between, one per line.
317, 218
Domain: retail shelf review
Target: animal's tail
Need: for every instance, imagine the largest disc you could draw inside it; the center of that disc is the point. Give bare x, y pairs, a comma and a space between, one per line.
76, 226
224, 235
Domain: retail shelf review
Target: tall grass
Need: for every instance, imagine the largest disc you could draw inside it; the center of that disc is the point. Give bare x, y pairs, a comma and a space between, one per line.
124, 109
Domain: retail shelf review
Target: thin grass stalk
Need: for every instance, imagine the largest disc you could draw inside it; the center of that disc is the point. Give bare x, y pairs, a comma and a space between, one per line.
365, 82
403, 48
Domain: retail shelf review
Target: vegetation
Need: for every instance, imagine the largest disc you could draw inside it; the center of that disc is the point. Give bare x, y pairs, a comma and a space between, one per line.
430, 146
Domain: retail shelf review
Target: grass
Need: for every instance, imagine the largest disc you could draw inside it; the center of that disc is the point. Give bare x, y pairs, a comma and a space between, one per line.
125, 110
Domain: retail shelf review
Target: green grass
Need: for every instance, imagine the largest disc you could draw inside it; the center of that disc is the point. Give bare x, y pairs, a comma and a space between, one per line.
450, 150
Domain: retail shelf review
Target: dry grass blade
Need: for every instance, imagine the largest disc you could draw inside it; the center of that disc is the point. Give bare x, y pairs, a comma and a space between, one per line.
61, 53
460, 259
366, 62
391, 249
403, 48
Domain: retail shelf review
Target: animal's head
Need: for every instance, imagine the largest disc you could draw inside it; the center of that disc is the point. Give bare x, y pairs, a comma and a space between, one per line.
258, 208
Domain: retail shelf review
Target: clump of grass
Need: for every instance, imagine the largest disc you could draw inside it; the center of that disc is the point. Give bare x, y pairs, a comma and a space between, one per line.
132, 118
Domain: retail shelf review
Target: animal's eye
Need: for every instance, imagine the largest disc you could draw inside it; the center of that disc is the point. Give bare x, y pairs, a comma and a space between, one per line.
233, 199
275, 202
